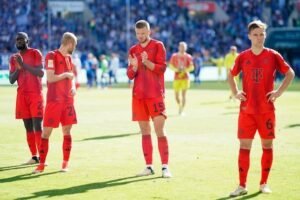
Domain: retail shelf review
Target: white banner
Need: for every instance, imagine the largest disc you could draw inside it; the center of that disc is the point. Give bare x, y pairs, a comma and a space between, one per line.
207, 74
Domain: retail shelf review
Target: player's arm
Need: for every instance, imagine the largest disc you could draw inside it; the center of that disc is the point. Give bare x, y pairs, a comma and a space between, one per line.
132, 66
173, 68
52, 77
13, 76
34, 70
289, 76
240, 95
159, 65
191, 66
14, 70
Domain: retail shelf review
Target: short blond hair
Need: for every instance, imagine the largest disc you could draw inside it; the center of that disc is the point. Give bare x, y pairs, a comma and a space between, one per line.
142, 24
184, 44
68, 37
256, 24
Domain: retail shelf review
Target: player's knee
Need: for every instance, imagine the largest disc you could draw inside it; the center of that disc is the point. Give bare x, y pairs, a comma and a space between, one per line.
28, 125
66, 130
245, 144
37, 124
267, 144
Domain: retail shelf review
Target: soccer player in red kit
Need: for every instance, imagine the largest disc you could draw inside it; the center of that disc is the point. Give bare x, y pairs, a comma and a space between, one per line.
60, 99
26, 68
258, 66
147, 65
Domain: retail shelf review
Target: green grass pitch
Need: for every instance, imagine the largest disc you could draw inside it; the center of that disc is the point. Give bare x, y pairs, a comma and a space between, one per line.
107, 152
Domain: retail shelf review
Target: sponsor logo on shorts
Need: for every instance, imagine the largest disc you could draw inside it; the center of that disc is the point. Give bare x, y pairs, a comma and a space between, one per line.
50, 121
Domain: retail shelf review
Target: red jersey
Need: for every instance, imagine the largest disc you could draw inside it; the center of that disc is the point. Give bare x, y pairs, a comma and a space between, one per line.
148, 83
258, 72
59, 91
181, 61
27, 82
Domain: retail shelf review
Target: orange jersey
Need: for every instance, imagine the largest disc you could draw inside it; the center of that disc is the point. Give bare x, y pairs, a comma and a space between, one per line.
181, 62
27, 82
59, 91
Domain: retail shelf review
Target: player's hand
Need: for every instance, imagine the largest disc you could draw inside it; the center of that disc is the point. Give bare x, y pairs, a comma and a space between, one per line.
69, 75
73, 91
18, 60
273, 95
144, 56
241, 95
133, 62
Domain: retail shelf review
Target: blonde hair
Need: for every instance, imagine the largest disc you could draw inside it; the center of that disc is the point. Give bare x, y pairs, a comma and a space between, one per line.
184, 44
142, 24
68, 37
256, 24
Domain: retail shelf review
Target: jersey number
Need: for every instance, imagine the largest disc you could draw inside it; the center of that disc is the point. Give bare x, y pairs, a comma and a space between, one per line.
269, 124
70, 111
159, 107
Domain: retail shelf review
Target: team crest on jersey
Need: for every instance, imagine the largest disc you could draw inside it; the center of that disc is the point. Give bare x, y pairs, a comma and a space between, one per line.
50, 64
257, 74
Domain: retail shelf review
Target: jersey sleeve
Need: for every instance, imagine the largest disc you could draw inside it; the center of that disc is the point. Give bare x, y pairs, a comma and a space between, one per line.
237, 67
50, 61
281, 65
38, 58
172, 63
160, 64
130, 73
12, 65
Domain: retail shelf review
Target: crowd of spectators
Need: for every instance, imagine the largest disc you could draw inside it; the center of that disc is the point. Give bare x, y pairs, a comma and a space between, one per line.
105, 32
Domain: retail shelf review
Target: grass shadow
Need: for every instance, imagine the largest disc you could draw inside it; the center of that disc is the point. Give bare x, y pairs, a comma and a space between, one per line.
87, 187
105, 137
25, 177
292, 126
212, 102
250, 196
230, 113
15, 167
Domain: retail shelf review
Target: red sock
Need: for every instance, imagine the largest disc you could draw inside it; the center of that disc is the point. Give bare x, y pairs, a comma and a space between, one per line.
244, 163
31, 143
163, 149
266, 163
67, 146
147, 148
43, 150
38, 135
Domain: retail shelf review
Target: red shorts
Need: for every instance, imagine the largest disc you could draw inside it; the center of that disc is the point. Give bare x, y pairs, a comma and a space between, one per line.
143, 109
29, 106
56, 113
249, 123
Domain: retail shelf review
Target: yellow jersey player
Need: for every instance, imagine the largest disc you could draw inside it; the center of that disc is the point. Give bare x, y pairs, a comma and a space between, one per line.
181, 63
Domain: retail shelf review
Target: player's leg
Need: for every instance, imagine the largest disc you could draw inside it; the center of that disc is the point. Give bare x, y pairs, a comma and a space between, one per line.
43, 149
266, 164
163, 147
177, 98
67, 120
28, 123
267, 133
176, 87
37, 112
243, 164
183, 97
66, 147
147, 147
246, 131
37, 126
